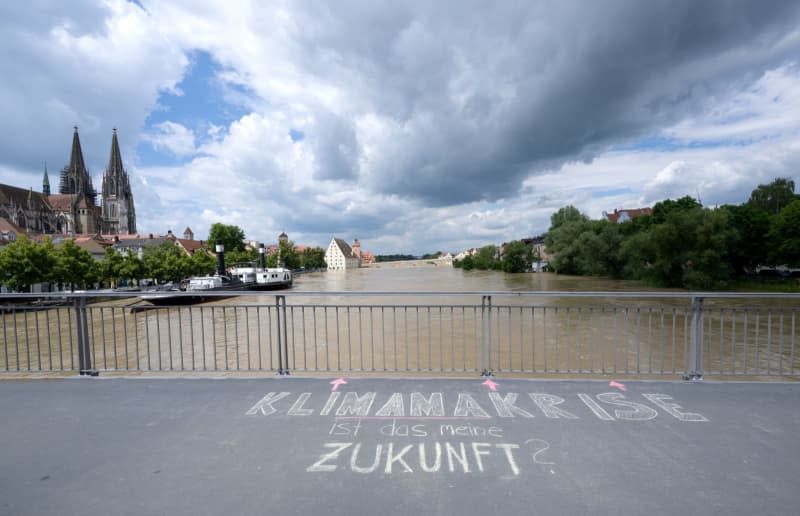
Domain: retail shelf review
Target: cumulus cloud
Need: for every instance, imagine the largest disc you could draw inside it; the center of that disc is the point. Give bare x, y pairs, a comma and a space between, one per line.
425, 124
172, 137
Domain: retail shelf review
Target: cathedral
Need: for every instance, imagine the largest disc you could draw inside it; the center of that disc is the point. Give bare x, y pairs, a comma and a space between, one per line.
74, 209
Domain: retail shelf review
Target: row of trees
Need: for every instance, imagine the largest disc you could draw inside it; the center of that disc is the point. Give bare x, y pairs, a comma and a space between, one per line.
683, 244
516, 257
24, 262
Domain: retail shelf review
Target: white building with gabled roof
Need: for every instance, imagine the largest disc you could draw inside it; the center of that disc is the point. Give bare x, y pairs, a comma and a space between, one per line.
339, 256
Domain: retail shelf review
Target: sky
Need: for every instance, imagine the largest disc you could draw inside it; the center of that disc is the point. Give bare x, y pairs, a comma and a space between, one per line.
413, 126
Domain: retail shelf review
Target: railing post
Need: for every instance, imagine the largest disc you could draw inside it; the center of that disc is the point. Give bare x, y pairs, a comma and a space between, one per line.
695, 365
486, 335
82, 329
283, 343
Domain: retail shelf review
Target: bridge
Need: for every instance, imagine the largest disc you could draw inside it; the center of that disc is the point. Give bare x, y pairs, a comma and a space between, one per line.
399, 403
289, 445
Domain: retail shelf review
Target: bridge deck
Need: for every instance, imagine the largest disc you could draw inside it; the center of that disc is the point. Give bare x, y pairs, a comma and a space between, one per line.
392, 446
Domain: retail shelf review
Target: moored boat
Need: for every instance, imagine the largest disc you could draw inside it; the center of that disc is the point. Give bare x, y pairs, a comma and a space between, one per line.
240, 279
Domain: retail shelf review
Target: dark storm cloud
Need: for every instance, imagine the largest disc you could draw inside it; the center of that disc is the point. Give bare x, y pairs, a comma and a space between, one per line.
483, 97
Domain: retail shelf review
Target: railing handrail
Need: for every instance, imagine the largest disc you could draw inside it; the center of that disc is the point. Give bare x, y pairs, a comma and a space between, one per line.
423, 293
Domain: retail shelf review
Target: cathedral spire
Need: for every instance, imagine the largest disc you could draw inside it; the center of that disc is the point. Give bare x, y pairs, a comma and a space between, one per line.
76, 158
115, 160
45, 181
75, 179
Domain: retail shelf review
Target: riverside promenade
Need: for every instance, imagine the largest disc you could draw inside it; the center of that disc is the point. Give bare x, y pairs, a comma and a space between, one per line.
317, 446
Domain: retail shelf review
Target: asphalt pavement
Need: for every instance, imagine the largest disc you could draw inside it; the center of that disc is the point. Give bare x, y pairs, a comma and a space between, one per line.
315, 446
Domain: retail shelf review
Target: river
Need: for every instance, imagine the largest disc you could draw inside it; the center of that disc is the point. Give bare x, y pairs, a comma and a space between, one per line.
323, 330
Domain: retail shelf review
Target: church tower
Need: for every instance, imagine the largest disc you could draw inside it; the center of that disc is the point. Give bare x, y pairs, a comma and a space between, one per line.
45, 182
75, 179
119, 215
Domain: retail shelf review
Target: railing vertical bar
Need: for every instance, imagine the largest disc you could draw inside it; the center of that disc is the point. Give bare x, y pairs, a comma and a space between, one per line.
558, 337
650, 340
372, 339
361, 339
316, 351
49, 338
248, 340
769, 341
638, 338
603, 339
38, 340
214, 337
349, 342
521, 340
136, 340
169, 335
158, 333
544, 337
5, 337
780, 344
27, 338
191, 336
591, 339
338, 342
305, 331
794, 338
744, 342
125, 337
71, 341
533, 339
114, 337
225, 335
721, 338
662, 340
733, 342
16, 337
327, 340
203, 336
758, 341
625, 332
269, 338
452, 339
60, 340
294, 344
147, 338
236, 335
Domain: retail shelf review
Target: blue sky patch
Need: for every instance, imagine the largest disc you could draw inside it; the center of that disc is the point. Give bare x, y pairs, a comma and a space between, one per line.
296, 136
205, 100
611, 193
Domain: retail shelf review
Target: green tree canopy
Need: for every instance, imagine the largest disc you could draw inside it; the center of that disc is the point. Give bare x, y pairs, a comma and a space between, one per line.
24, 263
232, 237
773, 197
74, 266
785, 236
313, 258
517, 257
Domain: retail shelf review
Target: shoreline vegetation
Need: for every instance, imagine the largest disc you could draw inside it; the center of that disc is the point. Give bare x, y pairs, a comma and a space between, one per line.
681, 245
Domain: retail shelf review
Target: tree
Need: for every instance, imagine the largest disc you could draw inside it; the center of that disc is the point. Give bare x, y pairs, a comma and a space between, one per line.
773, 197
517, 257
662, 209
201, 264
24, 263
313, 258
232, 237
288, 256
785, 236
110, 266
74, 266
566, 215
751, 248
132, 268
486, 259
165, 262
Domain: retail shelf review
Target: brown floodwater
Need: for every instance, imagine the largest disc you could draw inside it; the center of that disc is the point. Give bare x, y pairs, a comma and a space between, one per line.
330, 324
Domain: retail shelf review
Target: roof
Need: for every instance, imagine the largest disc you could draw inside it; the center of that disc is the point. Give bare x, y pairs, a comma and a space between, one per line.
61, 202
6, 226
344, 247
190, 245
20, 196
631, 213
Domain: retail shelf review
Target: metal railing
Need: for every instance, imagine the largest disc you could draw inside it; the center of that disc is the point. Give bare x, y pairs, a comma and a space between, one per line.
611, 333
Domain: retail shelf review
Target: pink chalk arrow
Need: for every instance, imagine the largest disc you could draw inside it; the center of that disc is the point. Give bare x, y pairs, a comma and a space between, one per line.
490, 384
337, 382
617, 385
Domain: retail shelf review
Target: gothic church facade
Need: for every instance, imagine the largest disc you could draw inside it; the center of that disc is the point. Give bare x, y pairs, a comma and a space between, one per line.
74, 210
